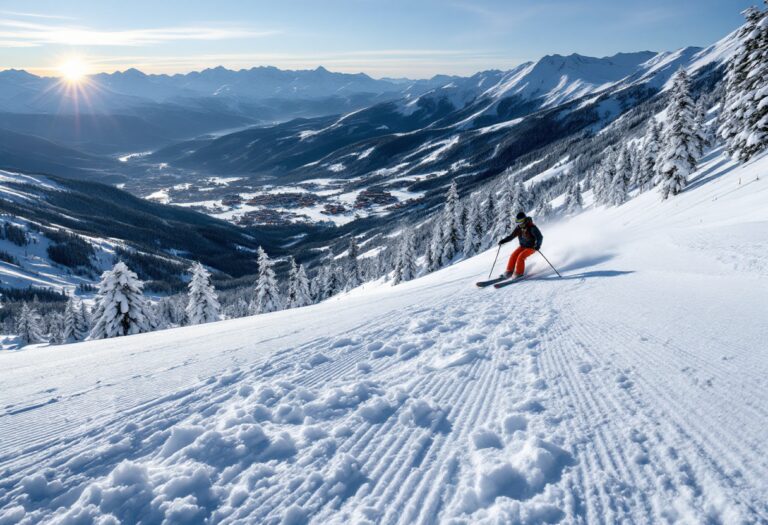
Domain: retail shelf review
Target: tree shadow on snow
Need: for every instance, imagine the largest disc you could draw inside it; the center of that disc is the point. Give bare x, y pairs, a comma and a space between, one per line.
713, 173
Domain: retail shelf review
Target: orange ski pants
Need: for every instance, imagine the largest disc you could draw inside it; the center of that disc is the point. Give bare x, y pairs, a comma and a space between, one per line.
517, 260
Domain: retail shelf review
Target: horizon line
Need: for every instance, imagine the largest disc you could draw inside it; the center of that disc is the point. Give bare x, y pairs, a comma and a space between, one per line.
37, 72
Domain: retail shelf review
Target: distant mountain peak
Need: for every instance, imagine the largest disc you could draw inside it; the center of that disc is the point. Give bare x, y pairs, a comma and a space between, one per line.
132, 72
19, 74
635, 58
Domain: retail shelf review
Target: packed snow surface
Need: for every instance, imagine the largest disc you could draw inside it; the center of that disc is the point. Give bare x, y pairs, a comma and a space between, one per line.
634, 389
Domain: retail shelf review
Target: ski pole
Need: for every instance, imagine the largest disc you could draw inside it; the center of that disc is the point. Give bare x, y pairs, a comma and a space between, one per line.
549, 263
494, 261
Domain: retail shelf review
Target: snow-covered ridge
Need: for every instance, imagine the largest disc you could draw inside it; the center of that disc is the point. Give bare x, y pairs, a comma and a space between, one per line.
89, 222
33, 267
548, 401
556, 79
8, 178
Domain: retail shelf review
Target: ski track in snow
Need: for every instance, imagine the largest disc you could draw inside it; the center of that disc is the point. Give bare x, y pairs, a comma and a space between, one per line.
535, 403
483, 383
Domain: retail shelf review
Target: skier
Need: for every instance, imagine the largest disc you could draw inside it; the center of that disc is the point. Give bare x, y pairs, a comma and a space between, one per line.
530, 242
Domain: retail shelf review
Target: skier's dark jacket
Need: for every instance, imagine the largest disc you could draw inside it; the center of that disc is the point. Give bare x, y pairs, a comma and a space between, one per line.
529, 233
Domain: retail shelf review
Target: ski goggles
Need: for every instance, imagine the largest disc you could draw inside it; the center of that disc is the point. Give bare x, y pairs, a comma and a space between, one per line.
521, 221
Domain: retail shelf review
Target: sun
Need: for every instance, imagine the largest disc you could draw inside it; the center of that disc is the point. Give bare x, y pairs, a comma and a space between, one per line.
74, 70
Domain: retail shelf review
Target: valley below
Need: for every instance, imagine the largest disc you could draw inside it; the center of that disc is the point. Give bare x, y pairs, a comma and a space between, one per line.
263, 200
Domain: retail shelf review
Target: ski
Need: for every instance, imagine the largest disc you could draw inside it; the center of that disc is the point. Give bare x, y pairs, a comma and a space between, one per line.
507, 282
483, 284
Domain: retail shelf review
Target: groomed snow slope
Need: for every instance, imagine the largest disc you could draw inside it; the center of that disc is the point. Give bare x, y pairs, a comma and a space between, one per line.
634, 390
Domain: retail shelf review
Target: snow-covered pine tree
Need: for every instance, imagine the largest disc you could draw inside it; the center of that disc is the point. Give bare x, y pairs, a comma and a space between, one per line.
120, 305
649, 155
405, 263
266, 292
635, 155
620, 184
369, 266
55, 328
383, 262
298, 286
157, 315
596, 181
327, 281
175, 309
434, 247
463, 217
519, 200
732, 113
543, 209
506, 209
756, 135
317, 284
701, 132
744, 118
28, 326
603, 177
238, 309
488, 212
164, 313
678, 156
487, 218
70, 330
452, 234
333, 284
619, 189
84, 321
202, 302
352, 272
473, 229
573, 199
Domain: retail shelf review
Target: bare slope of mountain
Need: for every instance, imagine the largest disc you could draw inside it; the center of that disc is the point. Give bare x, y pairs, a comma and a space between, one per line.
31, 153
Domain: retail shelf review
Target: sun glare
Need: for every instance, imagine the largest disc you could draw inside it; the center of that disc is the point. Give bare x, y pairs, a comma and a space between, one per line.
73, 70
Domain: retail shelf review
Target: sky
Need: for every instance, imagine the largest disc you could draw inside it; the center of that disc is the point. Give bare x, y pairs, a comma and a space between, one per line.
395, 38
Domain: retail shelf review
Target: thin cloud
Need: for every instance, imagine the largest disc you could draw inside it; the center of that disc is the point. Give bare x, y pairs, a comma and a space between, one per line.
19, 33
35, 15
15, 43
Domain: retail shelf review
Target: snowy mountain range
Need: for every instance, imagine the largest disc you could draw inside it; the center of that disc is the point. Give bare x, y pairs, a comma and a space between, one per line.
362, 171
129, 110
107, 92
407, 150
